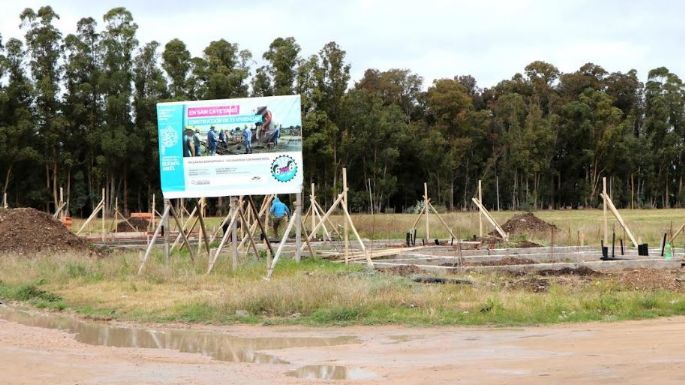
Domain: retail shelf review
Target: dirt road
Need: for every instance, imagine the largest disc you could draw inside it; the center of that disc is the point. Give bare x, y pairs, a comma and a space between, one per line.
642, 352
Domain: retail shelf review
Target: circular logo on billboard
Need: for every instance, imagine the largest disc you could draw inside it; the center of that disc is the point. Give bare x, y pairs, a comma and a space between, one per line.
283, 168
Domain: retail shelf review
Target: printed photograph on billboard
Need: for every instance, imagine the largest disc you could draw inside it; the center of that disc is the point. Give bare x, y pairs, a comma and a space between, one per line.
247, 146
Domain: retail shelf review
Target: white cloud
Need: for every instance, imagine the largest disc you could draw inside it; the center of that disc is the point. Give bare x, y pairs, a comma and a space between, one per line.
490, 39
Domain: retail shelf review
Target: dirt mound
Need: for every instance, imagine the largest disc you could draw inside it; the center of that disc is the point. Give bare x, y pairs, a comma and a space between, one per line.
525, 224
29, 231
139, 224
651, 279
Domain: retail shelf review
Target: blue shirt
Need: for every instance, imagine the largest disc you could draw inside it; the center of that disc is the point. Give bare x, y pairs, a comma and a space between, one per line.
211, 138
247, 135
279, 209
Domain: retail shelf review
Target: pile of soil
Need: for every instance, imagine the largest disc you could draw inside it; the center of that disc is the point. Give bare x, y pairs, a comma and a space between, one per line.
526, 224
29, 231
139, 224
651, 279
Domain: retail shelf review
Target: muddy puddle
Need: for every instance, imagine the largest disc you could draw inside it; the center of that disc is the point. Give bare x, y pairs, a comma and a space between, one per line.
217, 345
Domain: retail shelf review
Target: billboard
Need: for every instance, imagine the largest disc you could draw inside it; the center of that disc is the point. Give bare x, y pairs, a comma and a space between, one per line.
213, 148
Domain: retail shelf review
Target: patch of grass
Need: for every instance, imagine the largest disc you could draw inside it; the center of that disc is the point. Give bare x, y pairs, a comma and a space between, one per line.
31, 293
314, 292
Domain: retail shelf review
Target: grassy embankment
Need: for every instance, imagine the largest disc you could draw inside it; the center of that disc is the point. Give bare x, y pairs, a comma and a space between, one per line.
316, 293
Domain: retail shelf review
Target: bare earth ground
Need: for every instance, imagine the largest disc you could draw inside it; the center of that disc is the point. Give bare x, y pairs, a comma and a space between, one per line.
635, 352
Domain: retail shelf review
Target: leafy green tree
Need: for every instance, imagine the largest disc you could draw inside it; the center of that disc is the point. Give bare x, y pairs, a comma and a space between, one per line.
150, 87
82, 109
664, 114
44, 43
223, 71
17, 134
448, 108
118, 143
283, 56
177, 63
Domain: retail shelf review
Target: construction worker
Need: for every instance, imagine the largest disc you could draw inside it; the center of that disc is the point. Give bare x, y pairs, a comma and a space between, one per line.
212, 139
247, 140
197, 143
278, 211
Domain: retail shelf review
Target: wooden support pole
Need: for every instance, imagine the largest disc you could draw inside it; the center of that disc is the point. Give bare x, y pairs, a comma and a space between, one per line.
188, 227
344, 204
183, 234
291, 222
442, 221
298, 226
416, 222
356, 234
258, 218
306, 241
604, 209
335, 204
152, 213
425, 205
480, 213
312, 206
151, 244
680, 229
234, 235
213, 260
200, 235
167, 230
103, 214
203, 230
611, 206
492, 221
321, 210
94, 214
248, 234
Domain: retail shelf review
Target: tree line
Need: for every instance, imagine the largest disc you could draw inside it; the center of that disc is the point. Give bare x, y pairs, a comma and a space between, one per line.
78, 112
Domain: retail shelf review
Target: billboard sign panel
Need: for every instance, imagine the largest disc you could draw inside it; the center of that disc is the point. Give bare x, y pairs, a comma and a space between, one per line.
248, 146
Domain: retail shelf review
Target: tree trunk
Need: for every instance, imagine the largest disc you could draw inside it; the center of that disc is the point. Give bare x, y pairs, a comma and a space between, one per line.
8, 174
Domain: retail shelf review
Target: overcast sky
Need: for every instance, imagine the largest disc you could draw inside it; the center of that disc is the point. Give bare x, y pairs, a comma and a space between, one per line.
491, 40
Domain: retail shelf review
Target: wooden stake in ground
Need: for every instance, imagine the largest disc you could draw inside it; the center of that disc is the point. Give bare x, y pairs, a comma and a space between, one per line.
604, 208
344, 204
235, 206
231, 225
152, 213
480, 213
619, 218
94, 214
426, 211
489, 217
151, 244
103, 215
298, 226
